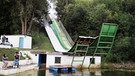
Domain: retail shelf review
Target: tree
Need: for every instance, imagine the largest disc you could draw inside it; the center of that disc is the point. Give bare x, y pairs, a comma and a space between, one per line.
27, 10
20, 14
62, 8
5, 17
85, 17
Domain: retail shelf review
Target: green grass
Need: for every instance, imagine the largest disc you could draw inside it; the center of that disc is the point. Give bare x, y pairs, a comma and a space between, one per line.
41, 42
9, 53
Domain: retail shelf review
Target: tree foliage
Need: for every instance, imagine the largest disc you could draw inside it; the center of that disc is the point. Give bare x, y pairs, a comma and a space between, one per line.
85, 17
7, 25
17, 15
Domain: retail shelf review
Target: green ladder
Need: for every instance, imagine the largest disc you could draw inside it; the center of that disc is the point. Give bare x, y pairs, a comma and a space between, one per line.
104, 43
80, 48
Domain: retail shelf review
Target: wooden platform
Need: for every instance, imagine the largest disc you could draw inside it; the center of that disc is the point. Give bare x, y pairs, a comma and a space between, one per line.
61, 68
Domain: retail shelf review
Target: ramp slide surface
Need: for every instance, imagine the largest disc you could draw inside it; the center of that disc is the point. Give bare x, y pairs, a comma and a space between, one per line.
56, 35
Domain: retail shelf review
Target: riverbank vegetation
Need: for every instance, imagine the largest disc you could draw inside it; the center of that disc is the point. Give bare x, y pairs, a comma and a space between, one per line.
85, 17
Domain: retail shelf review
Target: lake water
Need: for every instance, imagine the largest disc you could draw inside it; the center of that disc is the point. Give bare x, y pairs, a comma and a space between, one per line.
86, 72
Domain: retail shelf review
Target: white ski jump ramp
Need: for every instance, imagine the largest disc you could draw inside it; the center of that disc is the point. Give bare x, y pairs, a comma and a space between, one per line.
54, 40
56, 35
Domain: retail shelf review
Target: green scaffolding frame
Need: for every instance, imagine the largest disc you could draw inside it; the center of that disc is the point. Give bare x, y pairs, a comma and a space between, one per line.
104, 42
80, 48
99, 45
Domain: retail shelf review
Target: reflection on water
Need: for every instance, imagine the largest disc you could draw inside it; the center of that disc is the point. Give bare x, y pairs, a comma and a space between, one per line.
27, 73
86, 72
118, 73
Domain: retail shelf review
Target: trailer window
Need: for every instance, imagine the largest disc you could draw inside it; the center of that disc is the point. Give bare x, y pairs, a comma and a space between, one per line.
57, 59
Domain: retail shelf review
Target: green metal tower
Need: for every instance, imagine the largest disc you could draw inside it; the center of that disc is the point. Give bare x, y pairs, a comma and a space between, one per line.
104, 42
99, 45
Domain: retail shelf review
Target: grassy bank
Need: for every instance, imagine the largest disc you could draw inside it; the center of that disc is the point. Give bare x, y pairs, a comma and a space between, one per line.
9, 53
40, 41
123, 65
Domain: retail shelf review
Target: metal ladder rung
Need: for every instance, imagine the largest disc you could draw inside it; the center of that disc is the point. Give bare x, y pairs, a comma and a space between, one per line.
80, 51
106, 36
103, 47
105, 42
80, 48
82, 45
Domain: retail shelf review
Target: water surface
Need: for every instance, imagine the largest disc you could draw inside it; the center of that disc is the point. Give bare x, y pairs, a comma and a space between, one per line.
86, 72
